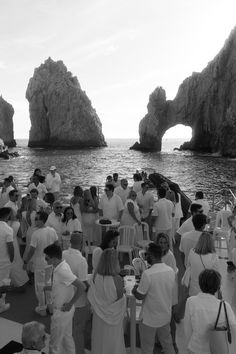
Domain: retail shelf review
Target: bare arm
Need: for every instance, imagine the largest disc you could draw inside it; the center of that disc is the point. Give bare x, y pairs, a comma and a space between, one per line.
136, 294
130, 208
30, 254
80, 289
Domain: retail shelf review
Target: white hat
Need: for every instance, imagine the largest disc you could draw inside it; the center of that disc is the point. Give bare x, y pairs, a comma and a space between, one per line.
52, 168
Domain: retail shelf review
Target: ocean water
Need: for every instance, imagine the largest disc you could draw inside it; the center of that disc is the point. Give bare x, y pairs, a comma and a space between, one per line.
88, 167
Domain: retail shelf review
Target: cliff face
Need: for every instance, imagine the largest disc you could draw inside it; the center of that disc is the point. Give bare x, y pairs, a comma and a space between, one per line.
61, 114
205, 101
6, 123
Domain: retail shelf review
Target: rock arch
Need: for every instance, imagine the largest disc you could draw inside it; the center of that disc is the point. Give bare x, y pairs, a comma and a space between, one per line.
205, 101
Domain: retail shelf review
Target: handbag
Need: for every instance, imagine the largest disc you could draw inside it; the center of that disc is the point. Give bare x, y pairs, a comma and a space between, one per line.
186, 278
220, 337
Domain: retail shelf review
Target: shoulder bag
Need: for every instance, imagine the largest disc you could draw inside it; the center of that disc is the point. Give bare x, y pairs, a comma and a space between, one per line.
221, 339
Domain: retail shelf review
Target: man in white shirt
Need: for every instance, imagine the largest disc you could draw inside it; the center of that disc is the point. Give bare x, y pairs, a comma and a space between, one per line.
66, 290
137, 183
4, 195
163, 213
42, 237
41, 188
6, 253
156, 289
188, 224
199, 199
122, 191
110, 205
79, 267
53, 182
13, 199
145, 201
189, 239
40, 204
54, 219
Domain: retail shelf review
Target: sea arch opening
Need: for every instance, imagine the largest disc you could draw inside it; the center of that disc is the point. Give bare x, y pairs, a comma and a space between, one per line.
176, 136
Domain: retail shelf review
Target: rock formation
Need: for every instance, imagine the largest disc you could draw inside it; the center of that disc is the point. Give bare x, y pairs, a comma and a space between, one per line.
205, 101
61, 114
6, 123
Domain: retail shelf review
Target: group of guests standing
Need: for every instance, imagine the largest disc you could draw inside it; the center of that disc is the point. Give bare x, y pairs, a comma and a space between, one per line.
55, 239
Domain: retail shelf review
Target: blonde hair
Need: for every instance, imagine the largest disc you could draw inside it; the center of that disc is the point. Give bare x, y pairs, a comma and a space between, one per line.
31, 334
205, 244
108, 263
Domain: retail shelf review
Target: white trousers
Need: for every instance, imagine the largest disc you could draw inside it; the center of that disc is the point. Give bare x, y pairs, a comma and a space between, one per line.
61, 340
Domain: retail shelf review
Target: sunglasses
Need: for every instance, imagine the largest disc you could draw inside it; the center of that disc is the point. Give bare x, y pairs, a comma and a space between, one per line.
59, 207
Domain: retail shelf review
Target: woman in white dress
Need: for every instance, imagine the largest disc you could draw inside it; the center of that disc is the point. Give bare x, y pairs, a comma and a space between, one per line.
89, 210
18, 275
201, 313
76, 201
203, 256
30, 219
70, 223
106, 295
131, 214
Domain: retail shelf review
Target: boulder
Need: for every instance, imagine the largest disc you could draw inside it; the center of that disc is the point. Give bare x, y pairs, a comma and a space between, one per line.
205, 101
61, 113
6, 123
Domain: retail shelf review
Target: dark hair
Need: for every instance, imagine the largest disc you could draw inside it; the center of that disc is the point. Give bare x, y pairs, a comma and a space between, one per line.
144, 184
195, 207
12, 192
115, 175
161, 192
36, 171
78, 191
49, 198
199, 195
109, 177
4, 212
53, 251
108, 237
43, 216
65, 211
199, 220
155, 250
110, 187
176, 193
11, 178
34, 190
93, 191
137, 177
209, 281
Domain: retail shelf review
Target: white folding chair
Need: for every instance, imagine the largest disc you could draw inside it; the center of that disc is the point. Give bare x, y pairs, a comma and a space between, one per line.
142, 234
126, 242
222, 229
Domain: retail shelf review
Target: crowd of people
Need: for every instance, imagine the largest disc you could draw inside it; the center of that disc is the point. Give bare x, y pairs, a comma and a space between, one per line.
43, 242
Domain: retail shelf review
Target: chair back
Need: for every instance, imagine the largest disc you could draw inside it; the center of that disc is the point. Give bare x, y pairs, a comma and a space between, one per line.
224, 219
127, 235
139, 265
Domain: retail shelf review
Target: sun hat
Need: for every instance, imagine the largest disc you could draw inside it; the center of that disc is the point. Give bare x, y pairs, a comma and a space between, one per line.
52, 168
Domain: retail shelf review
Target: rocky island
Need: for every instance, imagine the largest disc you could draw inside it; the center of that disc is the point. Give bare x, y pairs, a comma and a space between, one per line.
61, 113
6, 123
205, 101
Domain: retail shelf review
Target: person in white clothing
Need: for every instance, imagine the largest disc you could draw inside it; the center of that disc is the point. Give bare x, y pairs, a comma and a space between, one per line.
156, 289
201, 312
6, 253
70, 223
137, 183
145, 201
13, 199
110, 205
131, 214
53, 182
41, 188
203, 256
79, 267
54, 219
66, 290
199, 199
190, 238
42, 237
122, 190
4, 195
40, 203
163, 212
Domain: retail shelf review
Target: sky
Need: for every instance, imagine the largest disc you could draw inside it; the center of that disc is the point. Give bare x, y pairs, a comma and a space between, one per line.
120, 51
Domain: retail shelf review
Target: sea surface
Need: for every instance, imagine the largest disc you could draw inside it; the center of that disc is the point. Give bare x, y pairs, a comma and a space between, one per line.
87, 167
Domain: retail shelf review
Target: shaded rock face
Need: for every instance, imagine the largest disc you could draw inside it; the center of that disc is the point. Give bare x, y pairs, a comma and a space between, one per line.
205, 101
61, 114
6, 123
